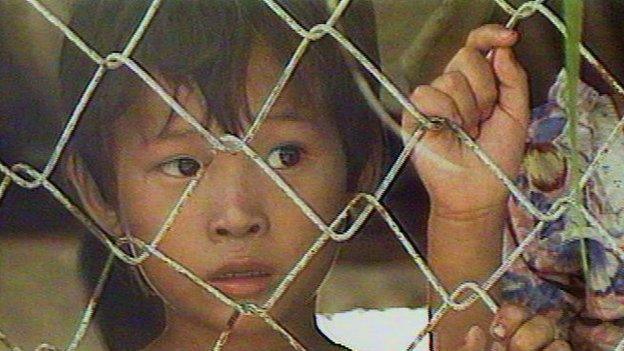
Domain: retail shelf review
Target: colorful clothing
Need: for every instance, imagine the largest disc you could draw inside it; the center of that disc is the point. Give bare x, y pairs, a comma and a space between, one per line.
549, 277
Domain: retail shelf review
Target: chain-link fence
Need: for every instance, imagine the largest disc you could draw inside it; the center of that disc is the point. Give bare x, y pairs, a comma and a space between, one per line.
26, 176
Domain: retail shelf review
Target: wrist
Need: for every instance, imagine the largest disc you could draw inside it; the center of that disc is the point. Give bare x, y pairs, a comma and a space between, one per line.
475, 215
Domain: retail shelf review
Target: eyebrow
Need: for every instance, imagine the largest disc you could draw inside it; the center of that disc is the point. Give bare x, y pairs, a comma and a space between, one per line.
172, 135
168, 134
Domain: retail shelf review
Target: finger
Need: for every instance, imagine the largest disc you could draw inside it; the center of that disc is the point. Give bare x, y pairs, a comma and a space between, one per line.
478, 70
513, 86
475, 340
431, 103
507, 320
533, 335
558, 345
455, 85
489, 36
503, 134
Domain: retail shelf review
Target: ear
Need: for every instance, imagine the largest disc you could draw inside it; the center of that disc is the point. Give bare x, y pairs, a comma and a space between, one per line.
90, 196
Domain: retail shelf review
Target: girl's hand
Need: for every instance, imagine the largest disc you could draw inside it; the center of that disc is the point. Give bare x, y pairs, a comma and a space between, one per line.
513, 330
490, 101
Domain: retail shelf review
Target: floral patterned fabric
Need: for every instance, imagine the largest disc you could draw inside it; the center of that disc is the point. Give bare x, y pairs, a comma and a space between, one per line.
549, 277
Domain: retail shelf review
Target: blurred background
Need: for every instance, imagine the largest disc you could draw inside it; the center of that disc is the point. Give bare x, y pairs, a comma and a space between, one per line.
41, 297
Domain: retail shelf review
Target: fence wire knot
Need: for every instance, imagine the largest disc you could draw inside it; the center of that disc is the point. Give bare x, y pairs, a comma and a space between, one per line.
113, 61
528, 9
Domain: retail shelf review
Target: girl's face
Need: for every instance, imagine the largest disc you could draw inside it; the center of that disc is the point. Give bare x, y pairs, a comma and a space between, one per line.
238, 231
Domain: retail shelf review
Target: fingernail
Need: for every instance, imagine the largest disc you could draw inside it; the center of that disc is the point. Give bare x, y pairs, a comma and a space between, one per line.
498, 330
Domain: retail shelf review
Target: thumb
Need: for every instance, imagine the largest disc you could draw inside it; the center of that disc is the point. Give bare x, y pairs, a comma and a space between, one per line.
475, 340
503, 134
513, 86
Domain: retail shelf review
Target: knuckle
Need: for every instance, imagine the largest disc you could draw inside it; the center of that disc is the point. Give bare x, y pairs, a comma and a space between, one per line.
494, 26
533, 334
457, 78
539, 326
474, 34
519, 344
463, 55
432, 102
450, 106
541, 322
452, 81
449, 110
558, 345
487, 97
467, 58
514, 313
468, 55
419, 92
483, 30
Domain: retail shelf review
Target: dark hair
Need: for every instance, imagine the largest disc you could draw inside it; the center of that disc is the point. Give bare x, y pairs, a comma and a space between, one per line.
207, 42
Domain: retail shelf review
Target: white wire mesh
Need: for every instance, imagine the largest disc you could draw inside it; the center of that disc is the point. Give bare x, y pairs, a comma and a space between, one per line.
26, 176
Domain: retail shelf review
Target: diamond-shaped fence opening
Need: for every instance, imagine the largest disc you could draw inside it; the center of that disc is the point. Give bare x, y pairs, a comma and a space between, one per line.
27, 176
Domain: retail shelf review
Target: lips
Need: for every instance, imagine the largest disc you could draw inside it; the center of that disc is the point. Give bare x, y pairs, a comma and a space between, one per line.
243, 278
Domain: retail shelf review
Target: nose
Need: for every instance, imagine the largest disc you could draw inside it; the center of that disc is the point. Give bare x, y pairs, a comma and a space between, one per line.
237, 222
236, 202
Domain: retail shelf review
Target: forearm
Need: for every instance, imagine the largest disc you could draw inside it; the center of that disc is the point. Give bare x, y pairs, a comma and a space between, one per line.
460, 250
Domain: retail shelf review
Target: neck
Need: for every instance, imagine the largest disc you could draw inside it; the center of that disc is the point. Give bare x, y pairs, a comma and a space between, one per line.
249, 333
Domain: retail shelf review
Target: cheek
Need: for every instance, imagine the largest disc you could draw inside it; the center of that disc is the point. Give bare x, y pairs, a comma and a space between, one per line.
324, 191
144, 206
325, 188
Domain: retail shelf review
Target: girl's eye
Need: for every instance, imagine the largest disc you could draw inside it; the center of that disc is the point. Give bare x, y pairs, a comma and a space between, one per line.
182, 167
284, 156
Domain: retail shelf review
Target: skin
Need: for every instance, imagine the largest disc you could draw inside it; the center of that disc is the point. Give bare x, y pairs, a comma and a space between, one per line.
490, 101
236, 212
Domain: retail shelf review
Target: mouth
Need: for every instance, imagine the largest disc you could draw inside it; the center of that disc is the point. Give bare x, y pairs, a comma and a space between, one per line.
243, 279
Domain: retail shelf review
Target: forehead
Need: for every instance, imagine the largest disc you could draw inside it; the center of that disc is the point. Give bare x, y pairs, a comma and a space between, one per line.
153, 118
265, 69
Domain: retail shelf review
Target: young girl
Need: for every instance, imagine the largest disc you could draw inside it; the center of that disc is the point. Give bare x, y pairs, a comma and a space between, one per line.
132, 157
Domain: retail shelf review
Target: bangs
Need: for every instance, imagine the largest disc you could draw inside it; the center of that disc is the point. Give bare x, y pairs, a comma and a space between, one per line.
206, 43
